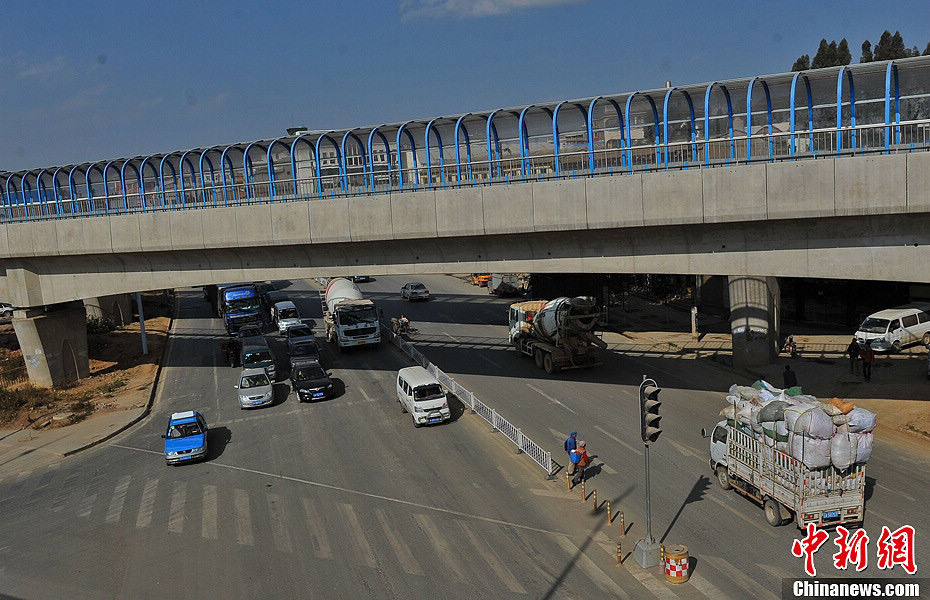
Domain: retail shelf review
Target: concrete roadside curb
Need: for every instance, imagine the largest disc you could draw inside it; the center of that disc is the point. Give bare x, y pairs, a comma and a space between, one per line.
152, 395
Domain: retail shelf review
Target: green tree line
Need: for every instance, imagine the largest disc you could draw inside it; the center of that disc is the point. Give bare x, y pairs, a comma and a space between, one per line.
832, 54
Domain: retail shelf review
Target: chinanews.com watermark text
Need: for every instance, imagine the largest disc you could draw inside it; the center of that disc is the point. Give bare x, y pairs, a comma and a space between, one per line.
843, 587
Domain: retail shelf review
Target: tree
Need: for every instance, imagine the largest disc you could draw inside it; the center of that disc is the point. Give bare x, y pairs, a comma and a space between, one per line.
803, 62
927, 50
882, 49
824, 56
843, 57
867, 52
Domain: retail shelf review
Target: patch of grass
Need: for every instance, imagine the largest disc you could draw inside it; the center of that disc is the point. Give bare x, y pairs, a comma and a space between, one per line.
82, 408
910, 427
109, 388
14, 400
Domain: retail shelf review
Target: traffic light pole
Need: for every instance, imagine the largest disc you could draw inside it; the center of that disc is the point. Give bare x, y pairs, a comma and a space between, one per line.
646, 551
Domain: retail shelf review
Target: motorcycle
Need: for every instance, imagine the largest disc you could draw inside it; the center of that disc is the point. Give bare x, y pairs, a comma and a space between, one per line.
401, 327
790, 346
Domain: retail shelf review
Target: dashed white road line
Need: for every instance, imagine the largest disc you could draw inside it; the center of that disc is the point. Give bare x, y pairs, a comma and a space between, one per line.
590, 568
618, 440
549, 398
144, 519
450, 337
898, 492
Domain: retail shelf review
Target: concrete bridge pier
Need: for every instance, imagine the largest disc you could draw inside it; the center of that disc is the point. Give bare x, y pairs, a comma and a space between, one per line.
117, 308
54, 342
754, 319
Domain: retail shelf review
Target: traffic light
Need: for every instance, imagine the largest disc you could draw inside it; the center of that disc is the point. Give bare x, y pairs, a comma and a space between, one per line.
649, 410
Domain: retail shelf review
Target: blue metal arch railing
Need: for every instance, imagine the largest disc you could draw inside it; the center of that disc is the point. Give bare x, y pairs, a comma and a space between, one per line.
839, 108
148, 160
185, 160
726, 95
248, 174
629, 126
272, 189
42, 193
226, 161
768, 107
204, 157
525, 137
429, 162
9, 200
106, 181
88, 186
494, 153
24, 184
460, 127
122, 178
305, 137
792, 108
56, 190
555, 130
371, 156
161, 178
668, 96
400, 158
319, 161
891, 71
590, 124
344, 165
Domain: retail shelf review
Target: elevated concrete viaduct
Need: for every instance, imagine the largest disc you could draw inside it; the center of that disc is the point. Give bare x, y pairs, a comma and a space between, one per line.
863, 217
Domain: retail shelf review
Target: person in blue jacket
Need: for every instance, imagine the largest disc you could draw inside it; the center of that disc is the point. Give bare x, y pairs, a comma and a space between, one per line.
570, 444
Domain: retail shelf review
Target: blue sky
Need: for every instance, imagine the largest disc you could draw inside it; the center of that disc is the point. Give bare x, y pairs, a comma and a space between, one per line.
94, 80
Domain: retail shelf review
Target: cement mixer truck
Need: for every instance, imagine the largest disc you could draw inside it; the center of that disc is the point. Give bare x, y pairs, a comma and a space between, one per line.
558, 334
349, 318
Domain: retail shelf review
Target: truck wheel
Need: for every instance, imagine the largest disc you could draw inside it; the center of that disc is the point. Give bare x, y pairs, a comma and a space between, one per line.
723, 478
896, 346
772, 512
926, 339
538, 357
548, 365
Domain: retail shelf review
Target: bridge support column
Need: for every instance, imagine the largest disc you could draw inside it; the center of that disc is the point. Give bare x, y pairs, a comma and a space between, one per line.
116, 308
754, 319
54, 343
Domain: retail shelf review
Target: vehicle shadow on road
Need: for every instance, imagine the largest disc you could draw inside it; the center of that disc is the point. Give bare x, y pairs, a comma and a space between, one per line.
217, 438
456, 408
279, 392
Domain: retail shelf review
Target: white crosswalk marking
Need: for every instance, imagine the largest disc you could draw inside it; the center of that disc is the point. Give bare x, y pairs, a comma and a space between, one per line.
748, 584
355, 529
404, 555
243, 518
176, 516
496, 564
317, 534
144, 518
119, 497
590, 568
208, 527
441, 546
67, 488
282, 540
86, 505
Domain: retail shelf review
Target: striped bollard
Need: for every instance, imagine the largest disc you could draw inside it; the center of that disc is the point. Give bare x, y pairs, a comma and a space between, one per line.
610, 515
584, 495
568, 482
622, 526
595, 499
619, 554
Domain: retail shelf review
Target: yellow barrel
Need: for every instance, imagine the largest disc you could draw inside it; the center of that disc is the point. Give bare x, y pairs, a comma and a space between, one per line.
676, 563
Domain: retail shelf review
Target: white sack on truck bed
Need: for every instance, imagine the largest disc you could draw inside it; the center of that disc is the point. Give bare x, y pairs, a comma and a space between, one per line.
815, 423
773, 411
864, 450
813, 452
794, 411
844, 448
861, 420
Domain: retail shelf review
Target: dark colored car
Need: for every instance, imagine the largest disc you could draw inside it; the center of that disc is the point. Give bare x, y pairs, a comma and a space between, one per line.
270, 298
361, 278
305, 349
299, 333
310, 381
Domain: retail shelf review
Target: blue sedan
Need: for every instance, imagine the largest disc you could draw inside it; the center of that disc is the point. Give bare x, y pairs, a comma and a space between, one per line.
186, 438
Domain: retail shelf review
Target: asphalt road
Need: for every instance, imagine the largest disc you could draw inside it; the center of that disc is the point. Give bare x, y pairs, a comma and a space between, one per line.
337, 499
463, 330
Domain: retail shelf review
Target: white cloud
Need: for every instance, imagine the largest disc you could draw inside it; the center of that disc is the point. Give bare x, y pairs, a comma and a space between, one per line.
414, 9
27, 69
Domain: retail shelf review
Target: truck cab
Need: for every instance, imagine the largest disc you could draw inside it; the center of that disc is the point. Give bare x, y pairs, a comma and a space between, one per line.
718, 450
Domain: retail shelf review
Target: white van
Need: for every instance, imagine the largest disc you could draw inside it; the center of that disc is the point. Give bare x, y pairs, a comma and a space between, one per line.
285, 315
891, 329
422, 396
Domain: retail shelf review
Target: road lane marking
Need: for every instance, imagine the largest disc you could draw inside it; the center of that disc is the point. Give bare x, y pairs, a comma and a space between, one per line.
317, 534
87, 503
350, 519
493, 561
362, 391
208, 527
404, 556
686, 451
176, 515
336, 488
753, 522
119, 498
439, 543
646, 579
549, 398
618, 440
898, 492
884, 516
243, 518
753, 588
608, 469
450, 337
144, 518
549, 493
488, 360
282, 540
67, 488
777, 572
707, 588
591, 569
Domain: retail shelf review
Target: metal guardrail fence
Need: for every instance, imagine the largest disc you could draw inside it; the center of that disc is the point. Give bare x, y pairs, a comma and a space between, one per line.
541, 457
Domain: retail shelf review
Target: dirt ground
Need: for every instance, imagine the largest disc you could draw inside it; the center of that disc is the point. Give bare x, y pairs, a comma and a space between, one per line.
121, 377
